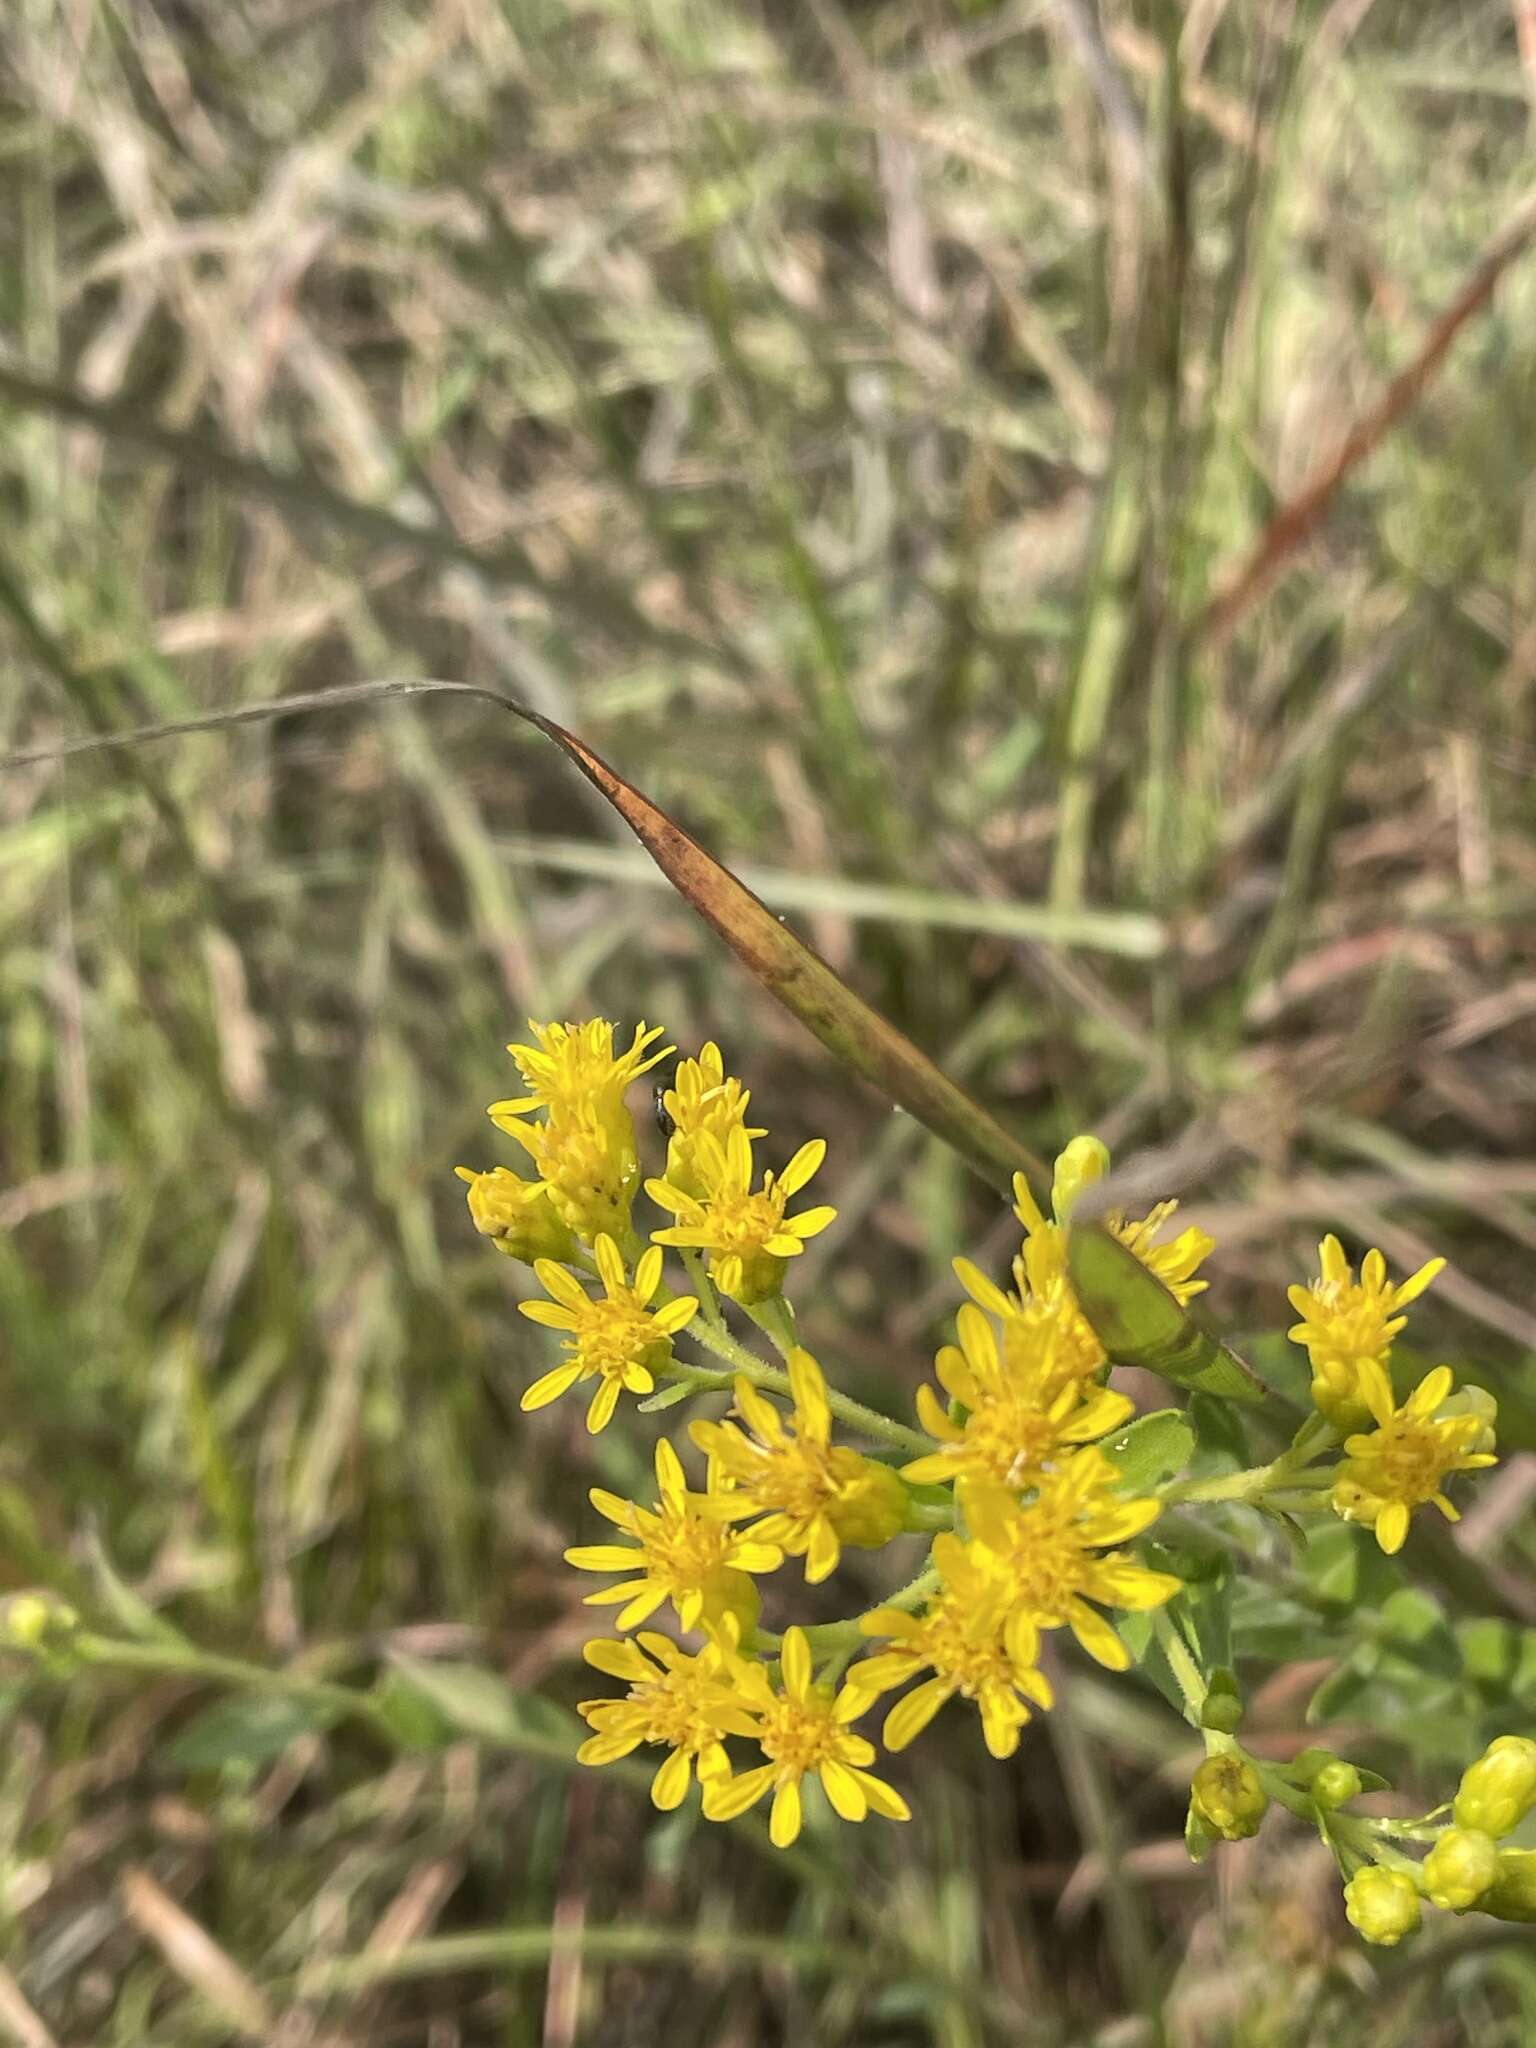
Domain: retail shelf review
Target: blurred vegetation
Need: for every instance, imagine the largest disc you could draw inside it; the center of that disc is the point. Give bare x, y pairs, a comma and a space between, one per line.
844, 416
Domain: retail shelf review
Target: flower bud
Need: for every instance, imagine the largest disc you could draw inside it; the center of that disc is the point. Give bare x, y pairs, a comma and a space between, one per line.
1512, 1895
517, 1215
871, 1503
1479, 1402
1382, 1905
1460, 1868
1499, 1790
1083, 1162
1336, 1783
31, 1621
1227, 1796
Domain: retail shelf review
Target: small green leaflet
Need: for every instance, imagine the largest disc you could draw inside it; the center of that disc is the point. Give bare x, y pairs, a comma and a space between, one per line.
1139, 1322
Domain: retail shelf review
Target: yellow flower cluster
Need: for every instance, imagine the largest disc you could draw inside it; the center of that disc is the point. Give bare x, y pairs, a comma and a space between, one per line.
1347, 1328
1034, 1528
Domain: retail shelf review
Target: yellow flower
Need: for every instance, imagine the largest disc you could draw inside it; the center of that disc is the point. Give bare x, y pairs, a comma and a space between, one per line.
1344, 1320
516, 1215
814, 1495
747, 1235
574, 1066
703, 1099
589, 1161
1406, 1459
973, 1644
1020, 1411
674, 1698
695, 1560
618, 1339
1047, 1551
586, 1150
802, 1729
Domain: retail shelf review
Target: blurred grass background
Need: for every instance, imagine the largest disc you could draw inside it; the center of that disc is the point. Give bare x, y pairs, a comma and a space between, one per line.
844, 416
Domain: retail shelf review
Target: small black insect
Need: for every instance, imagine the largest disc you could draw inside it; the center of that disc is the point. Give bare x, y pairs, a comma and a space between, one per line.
664, 1122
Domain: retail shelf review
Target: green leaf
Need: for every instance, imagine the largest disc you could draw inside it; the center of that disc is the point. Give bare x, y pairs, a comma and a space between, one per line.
1416, 1627
470, 1699
1140, 1323
1151, 1449
669, 1397
1499, 1657
250, 1730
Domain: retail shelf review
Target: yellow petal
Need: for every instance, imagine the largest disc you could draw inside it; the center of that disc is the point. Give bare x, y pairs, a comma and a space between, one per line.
604, 1401
669, 1787
1392, 1527
883, 1799
803, 1166
726, 1798
784, 1821
809, 1388
844, 1792
549, 1388
910, 1716
795, 1659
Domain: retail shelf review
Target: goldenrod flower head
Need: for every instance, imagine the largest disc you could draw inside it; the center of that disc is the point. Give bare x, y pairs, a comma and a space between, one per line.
589, 1162
1406, 1459
1383, 1905
1512, 1895
972, 1643
1499, 1790
674, 1698
617, 1339
814, 1495
574, 1066
1020, 1410
1048, 1551
1460, 1867
800, 1729
695, 1560
703, 1100
517, 1215
1344, 1320
1228, 1798
1040, 1271
746, 1233
1041, 1325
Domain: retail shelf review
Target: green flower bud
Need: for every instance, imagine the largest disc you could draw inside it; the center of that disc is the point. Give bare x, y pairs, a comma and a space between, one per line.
1083, 1162
1335, 1783
1460, 1868
31, 1621
1479, 1402
1223, 1711
1499, 1790
1512, 1895
1382, 1905
1227, 1797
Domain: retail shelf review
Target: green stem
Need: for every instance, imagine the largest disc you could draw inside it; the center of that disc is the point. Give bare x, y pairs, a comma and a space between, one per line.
185, 1660
776, 1319
709, 1306
867, 1421
835, 1635
1183, 1666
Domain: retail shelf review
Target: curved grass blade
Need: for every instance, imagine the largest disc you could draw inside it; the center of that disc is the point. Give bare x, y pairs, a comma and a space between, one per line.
856, 1035
1139, 1322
